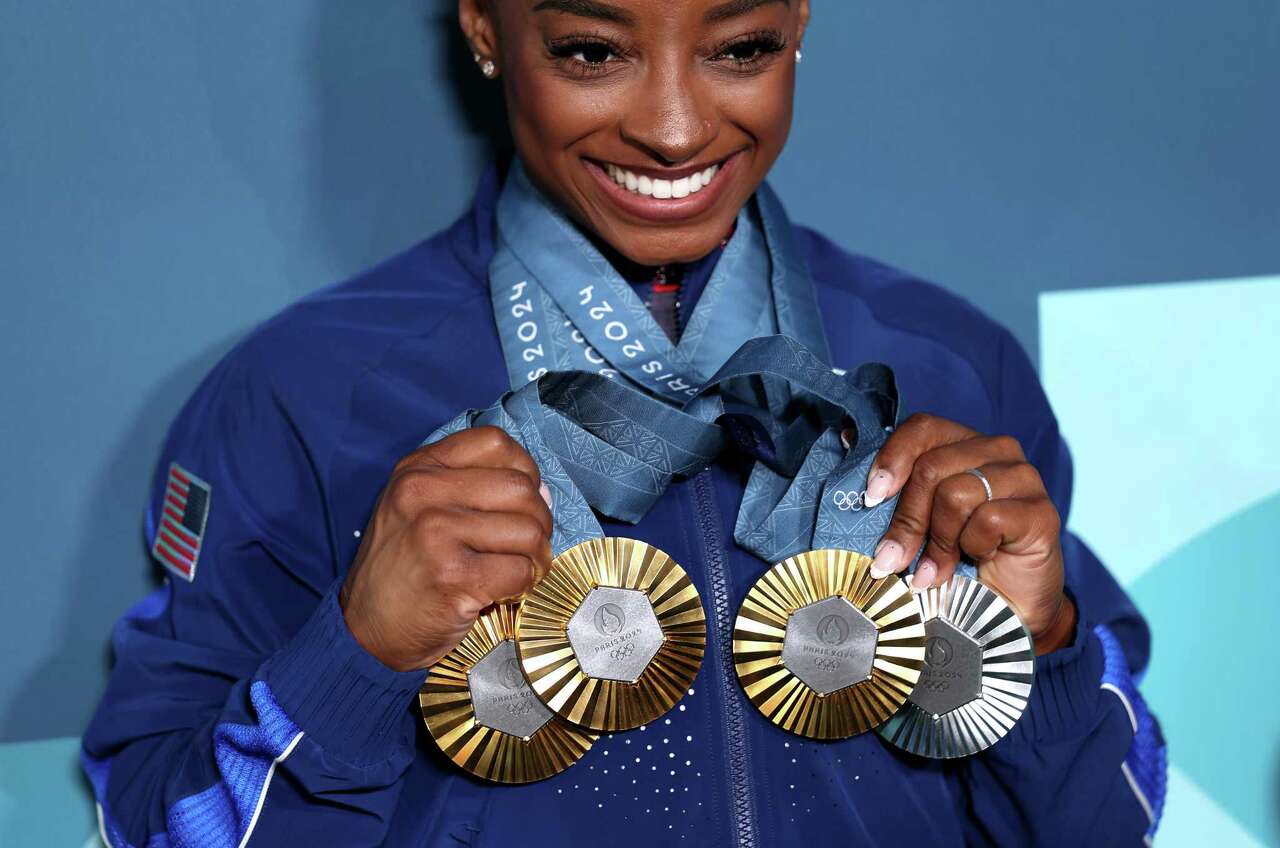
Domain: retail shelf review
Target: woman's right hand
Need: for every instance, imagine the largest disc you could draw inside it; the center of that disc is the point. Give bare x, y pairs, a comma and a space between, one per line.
462, 524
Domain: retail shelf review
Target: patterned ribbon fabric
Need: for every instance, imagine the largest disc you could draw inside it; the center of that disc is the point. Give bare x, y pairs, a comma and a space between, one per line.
601, 444
561, 306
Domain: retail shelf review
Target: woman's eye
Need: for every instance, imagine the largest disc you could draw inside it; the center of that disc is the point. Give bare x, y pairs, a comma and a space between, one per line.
593, 54
745, 51
582, 57
751, 52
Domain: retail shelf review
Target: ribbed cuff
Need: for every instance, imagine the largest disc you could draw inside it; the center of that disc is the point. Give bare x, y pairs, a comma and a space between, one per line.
343, 698
1064, 698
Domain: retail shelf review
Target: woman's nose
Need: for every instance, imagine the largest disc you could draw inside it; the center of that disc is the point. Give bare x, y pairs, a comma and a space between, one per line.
671, 119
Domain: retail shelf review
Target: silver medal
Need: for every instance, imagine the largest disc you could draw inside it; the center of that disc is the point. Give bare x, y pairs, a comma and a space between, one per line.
979, 666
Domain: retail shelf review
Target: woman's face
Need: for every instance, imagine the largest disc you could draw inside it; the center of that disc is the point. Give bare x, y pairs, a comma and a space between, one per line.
650, 121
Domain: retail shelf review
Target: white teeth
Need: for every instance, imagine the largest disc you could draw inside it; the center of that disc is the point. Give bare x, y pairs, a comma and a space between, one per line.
661, 189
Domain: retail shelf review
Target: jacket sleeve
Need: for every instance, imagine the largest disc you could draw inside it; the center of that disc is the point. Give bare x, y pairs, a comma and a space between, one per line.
1086, 764
238, 697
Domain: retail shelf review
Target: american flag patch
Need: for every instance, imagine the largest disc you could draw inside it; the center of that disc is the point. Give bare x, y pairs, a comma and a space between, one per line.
182, 517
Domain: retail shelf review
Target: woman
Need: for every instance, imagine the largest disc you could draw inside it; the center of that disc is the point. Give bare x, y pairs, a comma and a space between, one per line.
322, 560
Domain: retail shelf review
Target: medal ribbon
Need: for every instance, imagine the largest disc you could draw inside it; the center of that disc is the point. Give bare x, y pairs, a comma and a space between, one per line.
561, 306
611, 410
599, 443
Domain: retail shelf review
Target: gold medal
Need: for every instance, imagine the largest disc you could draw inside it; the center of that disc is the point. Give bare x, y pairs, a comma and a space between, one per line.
979, 668
479, 708
823, 649
613, 636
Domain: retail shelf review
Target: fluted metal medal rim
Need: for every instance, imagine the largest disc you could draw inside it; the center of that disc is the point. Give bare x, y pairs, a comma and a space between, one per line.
450, 716
549, 660
760, 630
1008, 675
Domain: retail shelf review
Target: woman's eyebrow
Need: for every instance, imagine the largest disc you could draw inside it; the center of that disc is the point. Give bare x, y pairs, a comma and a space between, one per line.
588, 9
734, 8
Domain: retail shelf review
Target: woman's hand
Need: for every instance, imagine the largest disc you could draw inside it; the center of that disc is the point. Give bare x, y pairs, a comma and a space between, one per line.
1014, 538
462, 524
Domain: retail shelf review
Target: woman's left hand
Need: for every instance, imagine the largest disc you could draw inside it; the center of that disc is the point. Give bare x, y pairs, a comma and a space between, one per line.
1015, 537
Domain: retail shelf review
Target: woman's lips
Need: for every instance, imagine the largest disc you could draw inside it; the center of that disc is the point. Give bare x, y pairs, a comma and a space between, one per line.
643, 194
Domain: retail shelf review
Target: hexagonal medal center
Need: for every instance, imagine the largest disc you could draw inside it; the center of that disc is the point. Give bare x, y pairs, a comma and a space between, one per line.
614, 634
952, 674
501, 697
829, 645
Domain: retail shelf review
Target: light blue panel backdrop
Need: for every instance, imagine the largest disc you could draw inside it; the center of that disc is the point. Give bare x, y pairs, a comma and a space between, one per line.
1168, 397
173, 172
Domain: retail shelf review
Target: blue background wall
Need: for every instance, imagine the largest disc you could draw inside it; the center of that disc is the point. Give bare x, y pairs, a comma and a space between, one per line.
173, 172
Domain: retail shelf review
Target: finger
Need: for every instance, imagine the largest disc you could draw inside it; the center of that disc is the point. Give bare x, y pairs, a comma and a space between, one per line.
913, 514
478, 447
916, 436
413, 490
502, 578
1015, 526
492, 490
1015, 542
500, 533
955, 499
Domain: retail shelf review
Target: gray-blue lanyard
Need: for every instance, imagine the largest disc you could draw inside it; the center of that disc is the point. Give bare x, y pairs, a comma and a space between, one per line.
560, 305
602, 444
588, 365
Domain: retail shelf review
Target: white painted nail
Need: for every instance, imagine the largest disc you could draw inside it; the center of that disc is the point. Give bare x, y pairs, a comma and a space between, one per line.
888, 559
926, 573
877, 488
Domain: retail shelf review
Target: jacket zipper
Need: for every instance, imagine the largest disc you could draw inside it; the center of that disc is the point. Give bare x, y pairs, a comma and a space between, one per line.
741, 799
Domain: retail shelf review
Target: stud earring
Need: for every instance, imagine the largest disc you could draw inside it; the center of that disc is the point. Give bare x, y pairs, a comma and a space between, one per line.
799, 56
487, 67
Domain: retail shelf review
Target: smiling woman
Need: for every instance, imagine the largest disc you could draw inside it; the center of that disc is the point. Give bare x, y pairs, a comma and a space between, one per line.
666, 349
650, 123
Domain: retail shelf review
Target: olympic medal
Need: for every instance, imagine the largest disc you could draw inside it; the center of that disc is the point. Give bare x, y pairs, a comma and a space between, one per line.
823, 649
978, 672
613, 636
481, 711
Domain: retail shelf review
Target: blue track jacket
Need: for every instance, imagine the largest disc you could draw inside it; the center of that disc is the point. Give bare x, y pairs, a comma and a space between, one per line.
240, 709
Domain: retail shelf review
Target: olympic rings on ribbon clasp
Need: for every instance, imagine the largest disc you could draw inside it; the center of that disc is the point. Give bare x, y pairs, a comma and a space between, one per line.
848, 501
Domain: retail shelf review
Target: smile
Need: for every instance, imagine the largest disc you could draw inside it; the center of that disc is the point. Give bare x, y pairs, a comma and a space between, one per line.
661, 189
668, 196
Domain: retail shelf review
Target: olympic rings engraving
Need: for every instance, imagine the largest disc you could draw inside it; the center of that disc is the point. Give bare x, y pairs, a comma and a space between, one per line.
623, 651
849, 501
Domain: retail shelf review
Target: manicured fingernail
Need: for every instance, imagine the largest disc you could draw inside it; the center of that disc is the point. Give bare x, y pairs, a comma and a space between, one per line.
877, 488
926, 571
546, 494
846, 438
888, 559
